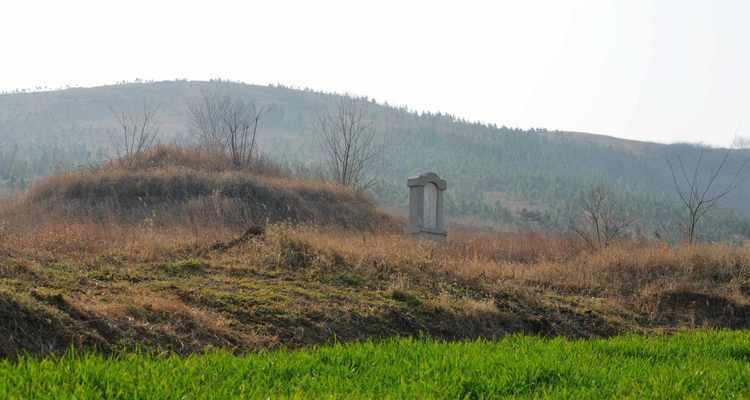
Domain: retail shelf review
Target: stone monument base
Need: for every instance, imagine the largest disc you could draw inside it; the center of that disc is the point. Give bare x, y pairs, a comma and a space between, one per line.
438, 236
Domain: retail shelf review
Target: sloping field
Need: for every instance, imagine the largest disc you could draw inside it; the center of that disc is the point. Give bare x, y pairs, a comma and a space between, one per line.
185, 290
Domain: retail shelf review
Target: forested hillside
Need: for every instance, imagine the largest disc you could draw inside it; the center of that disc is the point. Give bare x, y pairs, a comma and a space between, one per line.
497, 175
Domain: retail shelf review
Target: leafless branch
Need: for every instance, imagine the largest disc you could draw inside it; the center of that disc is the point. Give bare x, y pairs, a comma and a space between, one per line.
699, 198
136, 131
348, 141
227, 125
600, 221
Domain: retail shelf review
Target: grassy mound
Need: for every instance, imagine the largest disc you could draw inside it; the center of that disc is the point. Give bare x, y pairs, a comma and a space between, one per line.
695, 365
169, 185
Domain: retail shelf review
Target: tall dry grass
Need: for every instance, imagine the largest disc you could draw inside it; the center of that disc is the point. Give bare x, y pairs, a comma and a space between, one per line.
470, 275
635, 274
559, 263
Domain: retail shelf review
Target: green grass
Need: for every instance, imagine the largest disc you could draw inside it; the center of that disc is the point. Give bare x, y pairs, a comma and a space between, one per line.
690, 365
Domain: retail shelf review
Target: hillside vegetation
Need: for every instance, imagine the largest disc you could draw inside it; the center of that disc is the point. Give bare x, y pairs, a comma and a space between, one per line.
700, 364
84, 265
527, 179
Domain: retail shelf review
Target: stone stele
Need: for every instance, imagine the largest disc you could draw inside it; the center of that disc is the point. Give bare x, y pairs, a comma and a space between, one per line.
426, 218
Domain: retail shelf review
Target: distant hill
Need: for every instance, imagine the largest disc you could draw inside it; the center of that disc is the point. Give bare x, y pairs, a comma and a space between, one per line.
507, 176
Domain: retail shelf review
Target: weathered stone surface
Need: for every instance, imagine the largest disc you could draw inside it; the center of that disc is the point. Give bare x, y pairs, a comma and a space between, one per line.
430, 205
426, 218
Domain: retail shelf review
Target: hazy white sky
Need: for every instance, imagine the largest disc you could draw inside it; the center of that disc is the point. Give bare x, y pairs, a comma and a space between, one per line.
662, 70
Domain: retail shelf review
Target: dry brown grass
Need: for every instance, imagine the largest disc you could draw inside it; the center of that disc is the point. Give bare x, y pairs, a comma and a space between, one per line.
634, 276
545, 260
301, 284
140, 243
624, 271
184, 284
176, 186
181, 157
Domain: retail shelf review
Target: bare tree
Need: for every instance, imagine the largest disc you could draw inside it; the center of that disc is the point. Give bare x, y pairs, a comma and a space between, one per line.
600, 221
241, 124
347, 139
206, 117
136, 131
699, 195
227, 125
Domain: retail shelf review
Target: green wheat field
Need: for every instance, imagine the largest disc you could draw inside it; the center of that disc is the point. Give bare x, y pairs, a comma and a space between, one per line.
703, 364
